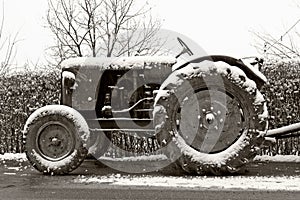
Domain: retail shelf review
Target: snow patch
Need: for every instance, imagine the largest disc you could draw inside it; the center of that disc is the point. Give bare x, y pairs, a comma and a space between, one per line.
118, 62
15, 168
265, 114
229, 182
259, 98
278, 158
104, 108
136, 158
159, 115
10, 173
68, 75
19, 157
161, 94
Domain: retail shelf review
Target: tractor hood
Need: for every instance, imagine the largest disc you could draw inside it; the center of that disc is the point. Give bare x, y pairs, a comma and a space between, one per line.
116, 63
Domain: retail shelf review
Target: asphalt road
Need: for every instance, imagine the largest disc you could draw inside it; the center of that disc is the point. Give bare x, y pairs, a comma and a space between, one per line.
21, 181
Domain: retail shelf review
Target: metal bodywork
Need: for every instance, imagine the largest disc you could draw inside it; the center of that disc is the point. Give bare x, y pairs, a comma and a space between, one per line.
98, 81
115, 93
118, 93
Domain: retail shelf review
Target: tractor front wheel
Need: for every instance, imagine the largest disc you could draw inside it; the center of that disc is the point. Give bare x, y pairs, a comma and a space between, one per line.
55, 139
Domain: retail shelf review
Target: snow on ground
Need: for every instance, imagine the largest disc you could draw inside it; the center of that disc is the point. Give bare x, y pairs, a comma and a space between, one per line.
272, 183
21, 157
278, 158
137, 158
290, 183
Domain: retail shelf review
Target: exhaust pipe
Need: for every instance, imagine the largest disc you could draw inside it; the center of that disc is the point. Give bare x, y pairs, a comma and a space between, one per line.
283, 130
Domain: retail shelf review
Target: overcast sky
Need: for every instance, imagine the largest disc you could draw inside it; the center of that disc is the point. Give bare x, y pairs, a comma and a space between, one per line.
218, 26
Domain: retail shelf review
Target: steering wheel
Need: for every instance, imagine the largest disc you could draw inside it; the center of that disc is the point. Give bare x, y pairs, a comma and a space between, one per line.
185, 49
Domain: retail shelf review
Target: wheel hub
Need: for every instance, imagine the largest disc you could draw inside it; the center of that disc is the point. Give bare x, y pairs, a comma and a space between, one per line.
55, 141
210, 118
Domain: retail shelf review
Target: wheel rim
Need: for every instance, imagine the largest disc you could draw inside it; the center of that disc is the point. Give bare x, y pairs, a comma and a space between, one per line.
210, 121
55, 141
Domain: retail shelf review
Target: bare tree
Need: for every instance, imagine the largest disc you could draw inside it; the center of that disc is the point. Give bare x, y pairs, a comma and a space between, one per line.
102, 28
283, 47
7, 46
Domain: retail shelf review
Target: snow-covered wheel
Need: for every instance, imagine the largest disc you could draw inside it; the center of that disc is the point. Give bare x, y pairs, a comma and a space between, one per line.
208, 118
55, 138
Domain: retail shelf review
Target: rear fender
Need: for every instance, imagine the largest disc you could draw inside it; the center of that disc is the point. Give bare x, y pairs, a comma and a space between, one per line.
251, 72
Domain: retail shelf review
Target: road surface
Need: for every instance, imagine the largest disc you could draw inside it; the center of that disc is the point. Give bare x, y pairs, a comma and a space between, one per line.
21, 181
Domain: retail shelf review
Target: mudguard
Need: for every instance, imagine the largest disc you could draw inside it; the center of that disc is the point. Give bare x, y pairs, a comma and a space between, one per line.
252, 73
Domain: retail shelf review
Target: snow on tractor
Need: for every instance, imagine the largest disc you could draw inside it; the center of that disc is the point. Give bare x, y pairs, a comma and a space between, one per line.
207, 114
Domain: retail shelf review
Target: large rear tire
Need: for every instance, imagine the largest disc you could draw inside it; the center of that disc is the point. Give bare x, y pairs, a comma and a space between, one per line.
55, 139
209, 118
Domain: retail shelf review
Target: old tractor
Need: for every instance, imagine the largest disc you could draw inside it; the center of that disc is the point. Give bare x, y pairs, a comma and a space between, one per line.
207, 113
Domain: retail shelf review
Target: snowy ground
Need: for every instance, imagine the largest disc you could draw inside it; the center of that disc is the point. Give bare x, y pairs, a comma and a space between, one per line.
232, 182
241, 182
278, 158
21, 157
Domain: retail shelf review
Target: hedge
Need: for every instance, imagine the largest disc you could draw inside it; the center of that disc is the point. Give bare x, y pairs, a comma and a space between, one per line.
21, 94
283, 97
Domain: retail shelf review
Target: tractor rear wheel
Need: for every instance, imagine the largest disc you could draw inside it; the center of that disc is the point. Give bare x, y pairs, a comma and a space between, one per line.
209, 119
